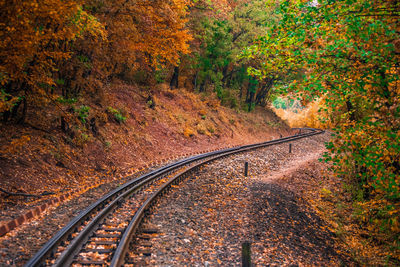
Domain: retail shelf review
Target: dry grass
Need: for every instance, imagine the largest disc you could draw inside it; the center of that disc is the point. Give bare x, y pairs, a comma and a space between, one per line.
180, 122
308, 117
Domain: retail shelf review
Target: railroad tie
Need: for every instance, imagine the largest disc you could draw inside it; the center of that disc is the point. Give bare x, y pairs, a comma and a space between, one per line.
146, 244
150, 231
144, 236
145, 252
107, 235
109, 217
112, 229
98, 250
104, 242
89, 262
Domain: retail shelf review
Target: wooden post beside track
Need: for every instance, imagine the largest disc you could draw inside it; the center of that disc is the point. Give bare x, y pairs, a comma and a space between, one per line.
290, 148
246, 255
246, 169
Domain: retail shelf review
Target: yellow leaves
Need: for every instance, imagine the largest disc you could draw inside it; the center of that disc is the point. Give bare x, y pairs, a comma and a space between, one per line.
326, 192
188, 132
309, 116
152, 31
15, 145
33, 38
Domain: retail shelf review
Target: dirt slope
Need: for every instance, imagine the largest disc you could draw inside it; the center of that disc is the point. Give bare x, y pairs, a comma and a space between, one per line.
39, 158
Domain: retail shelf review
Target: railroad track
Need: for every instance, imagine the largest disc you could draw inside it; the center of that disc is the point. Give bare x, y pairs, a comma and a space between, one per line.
100, 235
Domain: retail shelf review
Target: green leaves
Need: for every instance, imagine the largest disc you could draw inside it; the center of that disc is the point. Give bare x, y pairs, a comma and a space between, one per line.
346, 48
117, 114
83, 113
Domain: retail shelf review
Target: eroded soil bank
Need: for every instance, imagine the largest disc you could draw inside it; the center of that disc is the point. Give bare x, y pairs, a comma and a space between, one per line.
41, 160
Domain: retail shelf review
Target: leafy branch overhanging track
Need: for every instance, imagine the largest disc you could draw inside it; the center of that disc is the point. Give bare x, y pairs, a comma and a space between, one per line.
107, 226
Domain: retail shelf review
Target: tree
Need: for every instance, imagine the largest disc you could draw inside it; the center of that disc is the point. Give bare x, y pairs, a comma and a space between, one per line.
348, 54
56, 48
33, 36
222, 35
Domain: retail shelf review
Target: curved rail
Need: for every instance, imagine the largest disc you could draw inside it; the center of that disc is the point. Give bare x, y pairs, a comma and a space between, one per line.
110, 201
123, 246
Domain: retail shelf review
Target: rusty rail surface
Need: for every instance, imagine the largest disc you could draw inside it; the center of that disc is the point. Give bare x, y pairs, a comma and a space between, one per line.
64, 247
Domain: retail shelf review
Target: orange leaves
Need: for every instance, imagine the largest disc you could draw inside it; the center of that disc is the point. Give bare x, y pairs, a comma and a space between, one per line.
33, 38
15, 145
163, 35
149, 32
7, 101
64, 47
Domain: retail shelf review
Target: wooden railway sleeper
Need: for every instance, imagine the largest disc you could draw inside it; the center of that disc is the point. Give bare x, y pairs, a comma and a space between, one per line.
106, 235
111, 229
168, 170
98, 250
89, 262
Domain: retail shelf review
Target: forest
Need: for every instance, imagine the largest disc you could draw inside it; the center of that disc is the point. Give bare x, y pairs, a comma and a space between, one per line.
339, 60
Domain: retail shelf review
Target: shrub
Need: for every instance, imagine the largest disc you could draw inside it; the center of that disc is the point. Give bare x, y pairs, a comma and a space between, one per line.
117, 114
188, 132
83, 113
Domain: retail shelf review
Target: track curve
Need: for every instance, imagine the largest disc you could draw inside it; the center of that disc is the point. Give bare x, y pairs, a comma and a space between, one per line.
62, 249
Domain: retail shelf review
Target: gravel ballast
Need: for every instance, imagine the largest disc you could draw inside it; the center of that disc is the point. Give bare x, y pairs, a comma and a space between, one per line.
205, 220
19, 245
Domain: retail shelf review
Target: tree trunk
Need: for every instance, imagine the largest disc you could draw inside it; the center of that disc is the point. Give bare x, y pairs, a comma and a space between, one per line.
24, 110
174, 79
202, 87
263, 93
225, 74
350, 109
248, 94
195, 80
251, 96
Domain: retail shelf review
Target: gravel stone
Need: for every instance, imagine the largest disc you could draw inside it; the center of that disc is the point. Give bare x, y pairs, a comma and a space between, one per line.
205, 220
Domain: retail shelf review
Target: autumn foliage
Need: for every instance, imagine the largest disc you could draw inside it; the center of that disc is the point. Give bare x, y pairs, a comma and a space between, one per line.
53, 52
347, 53
58, 48
340, 58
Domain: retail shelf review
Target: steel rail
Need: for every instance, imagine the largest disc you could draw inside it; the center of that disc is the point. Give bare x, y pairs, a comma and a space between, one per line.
49, 247
109, 202
76, 222
123, 246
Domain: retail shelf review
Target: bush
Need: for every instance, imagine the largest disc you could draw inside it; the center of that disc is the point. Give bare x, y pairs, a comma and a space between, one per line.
117, 114
83, 113
188, 132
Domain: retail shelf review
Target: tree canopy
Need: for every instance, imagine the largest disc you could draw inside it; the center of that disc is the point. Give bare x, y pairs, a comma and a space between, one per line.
342, 53
51, 48
347, 52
